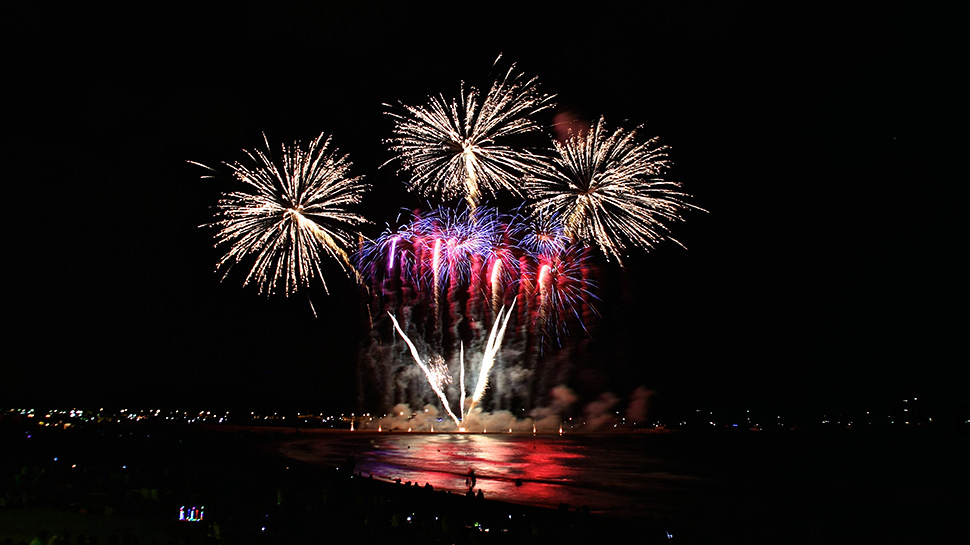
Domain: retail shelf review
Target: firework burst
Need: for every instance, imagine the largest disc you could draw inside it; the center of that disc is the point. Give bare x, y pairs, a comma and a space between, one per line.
456, 147
607, 190
293, 215
477, 261
543, 235
437, 246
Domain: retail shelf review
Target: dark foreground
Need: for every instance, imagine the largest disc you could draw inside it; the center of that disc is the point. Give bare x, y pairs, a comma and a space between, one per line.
127, 484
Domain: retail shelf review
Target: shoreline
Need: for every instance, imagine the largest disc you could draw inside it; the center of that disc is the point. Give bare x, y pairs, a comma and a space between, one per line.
104, 477
113, 484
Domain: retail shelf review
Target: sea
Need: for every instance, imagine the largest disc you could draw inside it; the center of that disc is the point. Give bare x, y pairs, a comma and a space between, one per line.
831, 486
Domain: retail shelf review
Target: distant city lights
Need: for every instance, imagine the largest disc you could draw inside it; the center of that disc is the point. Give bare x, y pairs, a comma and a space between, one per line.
908, 412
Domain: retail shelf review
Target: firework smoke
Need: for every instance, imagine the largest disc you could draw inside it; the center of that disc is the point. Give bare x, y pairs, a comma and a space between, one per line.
434, 378
449, 273
437, 372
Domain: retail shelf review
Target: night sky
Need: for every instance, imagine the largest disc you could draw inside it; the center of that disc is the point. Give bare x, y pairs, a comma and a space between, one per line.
807, 285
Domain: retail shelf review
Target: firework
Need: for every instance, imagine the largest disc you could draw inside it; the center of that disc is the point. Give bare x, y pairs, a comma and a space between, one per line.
436, 372
564, 291
543, 235
483, 258
453, 239
491, 350
433, 373
607, 191
293, 215
457, 147
436, 248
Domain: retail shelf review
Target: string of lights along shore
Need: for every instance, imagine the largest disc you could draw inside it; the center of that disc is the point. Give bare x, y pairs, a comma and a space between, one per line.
501, 290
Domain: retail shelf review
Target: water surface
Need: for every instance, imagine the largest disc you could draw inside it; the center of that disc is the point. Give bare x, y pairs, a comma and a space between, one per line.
767, 482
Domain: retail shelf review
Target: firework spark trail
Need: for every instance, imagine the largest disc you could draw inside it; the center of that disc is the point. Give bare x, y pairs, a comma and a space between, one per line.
461, 379
496, 277
454, 147
297, 209
544, 287
606, 188
436, 371
390, 262
435, 383
491, 350
436, 274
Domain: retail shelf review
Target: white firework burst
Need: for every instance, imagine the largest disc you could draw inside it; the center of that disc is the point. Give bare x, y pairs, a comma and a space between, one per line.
457, 147
606, 189
292, 216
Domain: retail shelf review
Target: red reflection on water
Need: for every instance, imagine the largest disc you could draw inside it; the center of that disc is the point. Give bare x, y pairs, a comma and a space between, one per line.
522, 469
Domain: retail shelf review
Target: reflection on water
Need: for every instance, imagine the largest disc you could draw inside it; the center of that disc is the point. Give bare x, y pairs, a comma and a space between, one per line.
612, 474
543, 467
815, 483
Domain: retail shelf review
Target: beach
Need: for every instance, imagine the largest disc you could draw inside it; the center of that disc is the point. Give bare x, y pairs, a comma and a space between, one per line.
132, 484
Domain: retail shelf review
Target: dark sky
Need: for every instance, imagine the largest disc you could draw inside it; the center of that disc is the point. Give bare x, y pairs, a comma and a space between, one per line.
806, 284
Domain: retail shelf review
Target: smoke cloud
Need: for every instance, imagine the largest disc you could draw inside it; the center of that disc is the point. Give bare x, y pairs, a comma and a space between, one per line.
600, 415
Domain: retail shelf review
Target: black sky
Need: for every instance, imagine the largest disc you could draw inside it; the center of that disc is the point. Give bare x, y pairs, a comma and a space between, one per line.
806, 284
